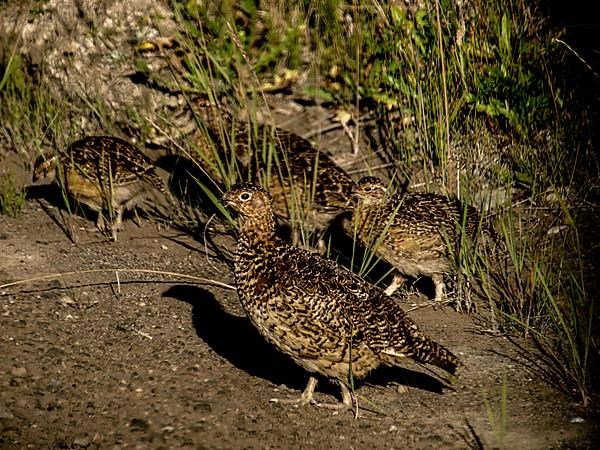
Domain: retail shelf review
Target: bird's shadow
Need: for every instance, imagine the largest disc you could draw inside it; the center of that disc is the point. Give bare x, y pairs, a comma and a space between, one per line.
237, 340
55, 197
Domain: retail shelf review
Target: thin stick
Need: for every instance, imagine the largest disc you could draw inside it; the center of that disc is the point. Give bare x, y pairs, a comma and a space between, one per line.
428, 304
585, 63
141, 333
173, 274
118, 282
449, 159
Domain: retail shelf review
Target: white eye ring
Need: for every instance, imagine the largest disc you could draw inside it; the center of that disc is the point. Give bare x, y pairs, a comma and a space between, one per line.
245, 196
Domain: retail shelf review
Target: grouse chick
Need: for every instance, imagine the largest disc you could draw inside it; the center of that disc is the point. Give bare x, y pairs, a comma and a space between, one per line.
411, 231
326, 318
301, 178
105, 173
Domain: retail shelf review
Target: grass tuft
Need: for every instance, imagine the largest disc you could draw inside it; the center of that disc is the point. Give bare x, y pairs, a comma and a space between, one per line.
12, 197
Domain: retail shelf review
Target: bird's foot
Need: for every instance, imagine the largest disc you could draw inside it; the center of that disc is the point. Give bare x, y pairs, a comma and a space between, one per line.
101, 223
305, 398
301, 401
397, 281
339, 406
113, 234
402, 389
440, 289
136, 218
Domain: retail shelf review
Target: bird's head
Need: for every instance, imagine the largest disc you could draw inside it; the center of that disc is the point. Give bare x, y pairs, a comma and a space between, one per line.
44, 167
369, 191
248, 200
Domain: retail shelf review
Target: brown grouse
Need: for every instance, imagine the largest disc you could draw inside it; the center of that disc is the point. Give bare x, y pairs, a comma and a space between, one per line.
326, 318
105, 173
308, 188
412, 231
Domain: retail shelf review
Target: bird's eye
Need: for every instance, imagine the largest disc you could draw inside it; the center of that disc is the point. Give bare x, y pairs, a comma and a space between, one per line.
368, 188
245, 196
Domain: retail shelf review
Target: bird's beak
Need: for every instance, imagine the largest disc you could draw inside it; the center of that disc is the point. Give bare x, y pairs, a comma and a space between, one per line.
226, 200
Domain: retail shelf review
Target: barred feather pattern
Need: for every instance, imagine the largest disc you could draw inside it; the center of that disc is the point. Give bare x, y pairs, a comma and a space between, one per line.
412, 231
325, 317
295, 172
102, 172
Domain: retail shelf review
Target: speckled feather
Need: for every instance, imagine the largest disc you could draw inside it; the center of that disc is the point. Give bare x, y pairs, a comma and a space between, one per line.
410, 230
102, 172
302, 165
314, 310
111, 160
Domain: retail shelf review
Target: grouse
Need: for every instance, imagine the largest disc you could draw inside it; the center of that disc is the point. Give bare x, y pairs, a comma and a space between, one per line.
105, 173
308, 188
414, 232
326, 318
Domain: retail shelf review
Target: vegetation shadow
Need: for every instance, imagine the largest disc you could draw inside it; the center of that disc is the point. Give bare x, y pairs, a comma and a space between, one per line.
53, 194
186, 180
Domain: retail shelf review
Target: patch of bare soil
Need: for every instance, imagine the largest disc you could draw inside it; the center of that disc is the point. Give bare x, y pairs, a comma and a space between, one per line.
148, 361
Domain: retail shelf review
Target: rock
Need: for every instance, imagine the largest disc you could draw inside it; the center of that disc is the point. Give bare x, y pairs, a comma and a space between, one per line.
81, 441
54, 385
138, 424
18, 372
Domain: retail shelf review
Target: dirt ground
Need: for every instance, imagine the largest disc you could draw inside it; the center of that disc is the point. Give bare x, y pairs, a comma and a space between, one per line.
150, 361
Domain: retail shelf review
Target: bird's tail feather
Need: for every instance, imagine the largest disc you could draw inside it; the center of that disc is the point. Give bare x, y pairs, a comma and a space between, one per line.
433, 353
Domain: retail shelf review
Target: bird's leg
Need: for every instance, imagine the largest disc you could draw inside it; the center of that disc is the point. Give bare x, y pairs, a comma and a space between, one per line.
397, 281
116, 225
118, 218
346, 394
136, 218
322, 246
306, 396
438, 281
72, 227
113, 233
349, 401
100, 224
295, 237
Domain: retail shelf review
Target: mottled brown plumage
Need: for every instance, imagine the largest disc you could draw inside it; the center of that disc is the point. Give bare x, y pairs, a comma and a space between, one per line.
105, 173
319, 313
308, 188
412, 231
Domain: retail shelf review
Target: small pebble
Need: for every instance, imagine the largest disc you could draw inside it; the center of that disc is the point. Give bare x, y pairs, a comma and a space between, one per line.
138, 424
81, 441
19, 372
